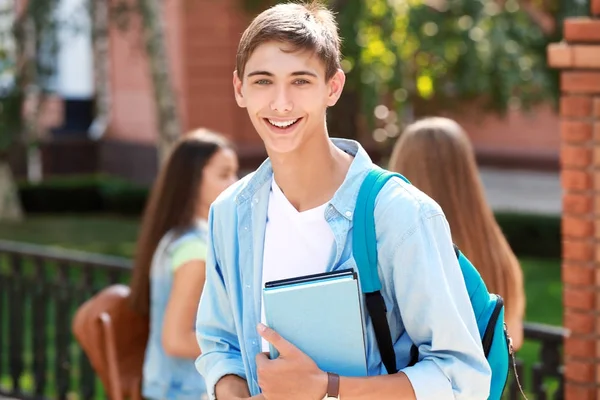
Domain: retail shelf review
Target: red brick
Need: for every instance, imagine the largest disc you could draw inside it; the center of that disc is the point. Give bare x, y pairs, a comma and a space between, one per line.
574, 391
573, 274
597, 180
582, 29
578, 250
577, 298
575, 156
597, 206
577, 227
575, 131
597, 131
585, 56
578, 371
597, 273
579, 323
597, 107
596, 155
580, 82
560, 55
580, 347
576, 106
597, 228
577, 203
596, 7
597, 259
575, 180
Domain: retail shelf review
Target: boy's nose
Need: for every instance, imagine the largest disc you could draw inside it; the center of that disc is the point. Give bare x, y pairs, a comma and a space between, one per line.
282, 102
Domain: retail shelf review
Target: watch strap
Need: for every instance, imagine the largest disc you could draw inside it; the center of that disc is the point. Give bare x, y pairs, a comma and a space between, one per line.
333, 385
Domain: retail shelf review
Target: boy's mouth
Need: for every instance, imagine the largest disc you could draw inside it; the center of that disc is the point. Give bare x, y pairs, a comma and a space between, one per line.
282, 125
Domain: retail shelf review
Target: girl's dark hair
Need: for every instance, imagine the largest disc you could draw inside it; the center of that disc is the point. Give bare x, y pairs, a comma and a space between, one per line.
171, 205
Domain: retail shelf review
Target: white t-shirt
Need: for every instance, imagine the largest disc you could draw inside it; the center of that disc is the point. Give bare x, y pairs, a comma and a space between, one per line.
296, 243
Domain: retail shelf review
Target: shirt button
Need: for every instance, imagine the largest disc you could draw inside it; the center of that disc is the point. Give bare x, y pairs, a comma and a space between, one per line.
348, 214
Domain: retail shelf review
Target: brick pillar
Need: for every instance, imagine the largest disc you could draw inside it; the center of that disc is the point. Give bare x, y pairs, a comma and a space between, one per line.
578, 57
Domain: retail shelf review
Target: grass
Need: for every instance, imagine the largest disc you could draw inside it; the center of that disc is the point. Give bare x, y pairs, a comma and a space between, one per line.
116, 236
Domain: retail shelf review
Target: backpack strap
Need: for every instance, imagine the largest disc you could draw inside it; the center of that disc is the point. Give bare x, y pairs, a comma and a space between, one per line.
364, 248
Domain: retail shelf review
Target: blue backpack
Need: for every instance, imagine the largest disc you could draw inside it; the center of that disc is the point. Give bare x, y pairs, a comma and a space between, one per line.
488, 308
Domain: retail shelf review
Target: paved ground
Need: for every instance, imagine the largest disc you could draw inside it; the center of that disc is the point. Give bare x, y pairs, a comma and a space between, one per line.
525, 191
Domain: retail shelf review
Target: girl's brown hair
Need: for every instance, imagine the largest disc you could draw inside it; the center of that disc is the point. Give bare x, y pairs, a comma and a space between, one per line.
171, 205
435, 154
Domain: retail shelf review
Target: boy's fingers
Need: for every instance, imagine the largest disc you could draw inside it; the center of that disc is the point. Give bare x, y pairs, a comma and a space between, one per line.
284, 347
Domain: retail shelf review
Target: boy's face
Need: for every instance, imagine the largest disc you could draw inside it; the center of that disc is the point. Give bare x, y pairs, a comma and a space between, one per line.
286, 95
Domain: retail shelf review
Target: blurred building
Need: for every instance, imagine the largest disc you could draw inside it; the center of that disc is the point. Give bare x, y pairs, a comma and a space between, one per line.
202, 41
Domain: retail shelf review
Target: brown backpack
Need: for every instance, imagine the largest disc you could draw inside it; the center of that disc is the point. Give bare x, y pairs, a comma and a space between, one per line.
114, 338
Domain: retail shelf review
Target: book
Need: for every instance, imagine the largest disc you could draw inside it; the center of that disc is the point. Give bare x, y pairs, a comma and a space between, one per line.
322, 315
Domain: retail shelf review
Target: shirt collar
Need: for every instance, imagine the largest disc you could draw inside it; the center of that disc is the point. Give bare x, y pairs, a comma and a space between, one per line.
344, 198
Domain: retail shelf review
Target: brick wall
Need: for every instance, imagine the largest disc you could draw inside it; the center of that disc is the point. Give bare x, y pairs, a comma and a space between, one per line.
202, 40
212, 30
578, 57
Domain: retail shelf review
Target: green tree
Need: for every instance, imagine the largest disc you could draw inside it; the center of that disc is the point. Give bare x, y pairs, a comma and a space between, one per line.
34, 33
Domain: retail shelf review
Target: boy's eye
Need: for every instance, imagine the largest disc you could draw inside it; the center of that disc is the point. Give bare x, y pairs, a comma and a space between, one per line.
301, 82
263, 82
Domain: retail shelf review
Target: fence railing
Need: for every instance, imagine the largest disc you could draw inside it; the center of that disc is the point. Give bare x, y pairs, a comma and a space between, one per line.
40, 289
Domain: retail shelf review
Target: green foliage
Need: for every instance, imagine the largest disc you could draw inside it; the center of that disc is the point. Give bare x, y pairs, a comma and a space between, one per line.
83, 194
457, 49
28, 64
532, 235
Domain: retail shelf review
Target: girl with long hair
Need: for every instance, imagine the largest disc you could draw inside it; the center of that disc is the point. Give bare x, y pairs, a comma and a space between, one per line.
169, 265
436, 155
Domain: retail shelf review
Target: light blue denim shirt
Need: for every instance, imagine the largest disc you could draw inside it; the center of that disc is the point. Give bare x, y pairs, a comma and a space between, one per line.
423, 288
166, 377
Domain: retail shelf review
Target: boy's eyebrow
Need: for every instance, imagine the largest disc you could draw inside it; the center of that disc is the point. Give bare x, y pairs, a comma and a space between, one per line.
253, 73
299, 73
296, 73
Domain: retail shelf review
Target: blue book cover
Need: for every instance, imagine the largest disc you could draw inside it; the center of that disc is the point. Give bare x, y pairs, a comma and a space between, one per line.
322, 316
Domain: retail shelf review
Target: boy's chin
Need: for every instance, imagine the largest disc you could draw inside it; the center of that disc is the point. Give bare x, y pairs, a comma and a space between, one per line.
281, 145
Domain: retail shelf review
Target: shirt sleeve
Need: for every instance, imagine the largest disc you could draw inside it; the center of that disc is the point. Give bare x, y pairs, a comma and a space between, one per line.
215, 326
434, 306
194, 249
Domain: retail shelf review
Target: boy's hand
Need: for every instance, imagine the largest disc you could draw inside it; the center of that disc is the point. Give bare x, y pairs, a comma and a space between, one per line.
292, 375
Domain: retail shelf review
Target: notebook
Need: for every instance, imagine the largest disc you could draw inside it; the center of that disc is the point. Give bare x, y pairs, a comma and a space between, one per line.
320, 314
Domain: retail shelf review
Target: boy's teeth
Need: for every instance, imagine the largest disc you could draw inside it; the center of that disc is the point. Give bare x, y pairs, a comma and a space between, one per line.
282, 124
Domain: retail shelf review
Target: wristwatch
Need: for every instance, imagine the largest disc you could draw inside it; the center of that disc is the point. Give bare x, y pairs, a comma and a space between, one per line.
333, 387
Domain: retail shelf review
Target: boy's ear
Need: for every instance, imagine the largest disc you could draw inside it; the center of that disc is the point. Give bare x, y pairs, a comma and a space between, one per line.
237, 89
336, 85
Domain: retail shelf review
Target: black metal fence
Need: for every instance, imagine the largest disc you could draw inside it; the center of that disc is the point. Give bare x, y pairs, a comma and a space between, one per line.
40, 289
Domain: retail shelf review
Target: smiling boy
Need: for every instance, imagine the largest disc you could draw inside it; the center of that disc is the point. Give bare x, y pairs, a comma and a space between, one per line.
293, 217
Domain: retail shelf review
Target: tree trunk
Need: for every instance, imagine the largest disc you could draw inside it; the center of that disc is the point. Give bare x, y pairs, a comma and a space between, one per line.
10, 206
100, 43
28, 81
166, 103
